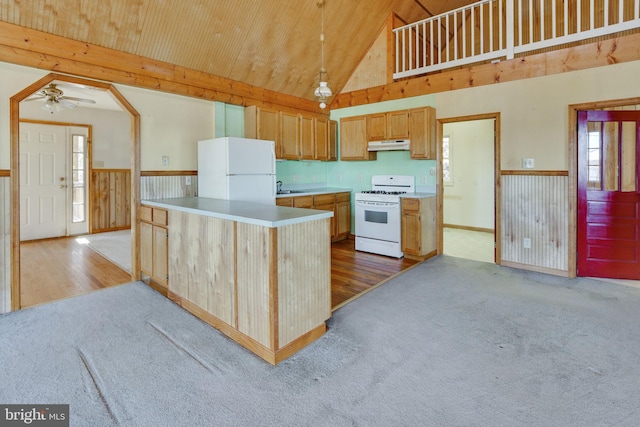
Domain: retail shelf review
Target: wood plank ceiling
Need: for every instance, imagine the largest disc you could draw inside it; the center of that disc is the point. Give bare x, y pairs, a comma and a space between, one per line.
271, 44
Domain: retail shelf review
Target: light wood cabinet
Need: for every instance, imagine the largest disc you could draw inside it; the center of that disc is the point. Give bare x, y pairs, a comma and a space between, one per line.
353, 139
418, 238
263, 123
321, 139
289, 136
397, 124
338, 203
333, 140
391, 125
307, 138
342, 214
422, 131
376, 127
154, 246
298, 135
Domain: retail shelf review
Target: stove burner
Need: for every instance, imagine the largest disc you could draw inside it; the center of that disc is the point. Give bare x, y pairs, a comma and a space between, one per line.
383, 192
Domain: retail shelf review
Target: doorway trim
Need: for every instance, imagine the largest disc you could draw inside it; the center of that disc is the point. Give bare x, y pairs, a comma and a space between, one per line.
14, 126
496, 173
573, 170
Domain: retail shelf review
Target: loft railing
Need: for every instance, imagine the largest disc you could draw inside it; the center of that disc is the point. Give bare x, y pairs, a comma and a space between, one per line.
496, 29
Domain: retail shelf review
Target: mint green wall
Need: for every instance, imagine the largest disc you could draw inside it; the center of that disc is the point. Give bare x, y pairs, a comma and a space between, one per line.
357, 174
229, 120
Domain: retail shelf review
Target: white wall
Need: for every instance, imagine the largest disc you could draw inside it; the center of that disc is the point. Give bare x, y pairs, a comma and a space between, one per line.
469, 199
170, 125
534, 112
111, 142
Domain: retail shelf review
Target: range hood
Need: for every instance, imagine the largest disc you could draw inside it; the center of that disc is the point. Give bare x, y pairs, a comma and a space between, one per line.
393, 144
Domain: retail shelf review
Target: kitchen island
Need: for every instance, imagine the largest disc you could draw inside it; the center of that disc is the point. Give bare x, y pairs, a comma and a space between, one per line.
261, 274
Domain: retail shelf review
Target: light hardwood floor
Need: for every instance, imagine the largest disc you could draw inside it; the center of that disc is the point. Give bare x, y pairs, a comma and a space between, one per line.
60, 268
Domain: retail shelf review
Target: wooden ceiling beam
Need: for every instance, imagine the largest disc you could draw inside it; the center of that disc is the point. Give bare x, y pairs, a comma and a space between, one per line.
23, 46
597, 54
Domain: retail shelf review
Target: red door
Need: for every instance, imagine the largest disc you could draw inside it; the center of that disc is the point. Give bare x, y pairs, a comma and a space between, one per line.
608, 194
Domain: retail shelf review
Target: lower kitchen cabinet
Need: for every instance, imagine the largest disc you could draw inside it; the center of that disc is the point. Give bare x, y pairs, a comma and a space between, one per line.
338, 203
418, 227
154, 246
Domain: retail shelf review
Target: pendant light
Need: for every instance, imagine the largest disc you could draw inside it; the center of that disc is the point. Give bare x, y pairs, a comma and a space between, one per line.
322, 92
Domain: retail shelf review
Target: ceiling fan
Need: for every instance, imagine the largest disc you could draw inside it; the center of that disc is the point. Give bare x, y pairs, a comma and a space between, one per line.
55, 100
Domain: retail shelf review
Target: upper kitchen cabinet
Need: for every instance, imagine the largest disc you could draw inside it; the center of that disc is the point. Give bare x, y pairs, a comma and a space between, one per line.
321, 137
422, 133
353, 139
397, 124
263, 123
333, 140
376, 127
391, 125
298, 135
290, 136
307, 138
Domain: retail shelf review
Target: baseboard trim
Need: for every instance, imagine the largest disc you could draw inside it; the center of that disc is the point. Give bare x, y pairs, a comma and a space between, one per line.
465, 227
537, 269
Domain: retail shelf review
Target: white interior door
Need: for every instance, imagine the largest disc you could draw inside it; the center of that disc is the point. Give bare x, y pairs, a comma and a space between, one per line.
43, 181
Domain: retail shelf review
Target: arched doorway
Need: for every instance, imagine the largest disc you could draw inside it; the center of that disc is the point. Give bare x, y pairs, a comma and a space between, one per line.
15, 173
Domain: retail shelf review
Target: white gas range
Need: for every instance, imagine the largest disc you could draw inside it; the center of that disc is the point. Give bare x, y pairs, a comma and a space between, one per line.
377, 225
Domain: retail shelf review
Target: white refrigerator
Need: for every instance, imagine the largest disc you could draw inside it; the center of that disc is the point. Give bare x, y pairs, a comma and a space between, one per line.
237, 169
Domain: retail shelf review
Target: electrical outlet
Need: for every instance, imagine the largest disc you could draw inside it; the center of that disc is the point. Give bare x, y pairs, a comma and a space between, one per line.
432, 171
296, 177
165, 160
187, 180
424, 179
526, 242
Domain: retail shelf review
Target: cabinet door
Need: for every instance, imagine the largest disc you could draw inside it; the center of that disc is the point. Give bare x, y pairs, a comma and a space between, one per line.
160, 255
411, 232
333, 140
146, 247
307, 140
353, 139
329, 207
290, 135
397, 124
422, 133
343, 219
321, 128
377, 127
263, 123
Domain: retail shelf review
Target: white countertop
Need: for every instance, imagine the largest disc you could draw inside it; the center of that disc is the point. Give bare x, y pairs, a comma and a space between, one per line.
247, 212
418, 195
313, 191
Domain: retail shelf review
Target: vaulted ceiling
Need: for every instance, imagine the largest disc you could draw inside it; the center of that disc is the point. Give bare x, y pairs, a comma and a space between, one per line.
271, 44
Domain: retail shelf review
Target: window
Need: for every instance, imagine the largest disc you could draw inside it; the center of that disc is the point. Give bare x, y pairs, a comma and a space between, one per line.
78, 200
447, 173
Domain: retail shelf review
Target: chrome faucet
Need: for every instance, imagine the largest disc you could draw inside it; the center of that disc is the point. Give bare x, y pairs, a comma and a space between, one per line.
279, 186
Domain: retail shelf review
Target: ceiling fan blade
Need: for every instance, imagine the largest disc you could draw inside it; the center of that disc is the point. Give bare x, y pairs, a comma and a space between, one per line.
71, 98
35, 98
66, 102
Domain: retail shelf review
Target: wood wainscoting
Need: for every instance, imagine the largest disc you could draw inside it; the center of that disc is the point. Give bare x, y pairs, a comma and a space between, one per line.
535, 206
111, 198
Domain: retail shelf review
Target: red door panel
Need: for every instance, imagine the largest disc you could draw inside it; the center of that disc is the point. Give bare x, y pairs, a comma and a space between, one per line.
608, 194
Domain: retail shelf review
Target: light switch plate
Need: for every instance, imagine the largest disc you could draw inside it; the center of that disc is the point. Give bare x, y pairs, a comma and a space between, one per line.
527, 164
165, 160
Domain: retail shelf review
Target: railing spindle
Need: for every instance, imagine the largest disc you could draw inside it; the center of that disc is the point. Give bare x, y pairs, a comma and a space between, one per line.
542, 37
553, 19
578, 16
592, 15
530, 21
